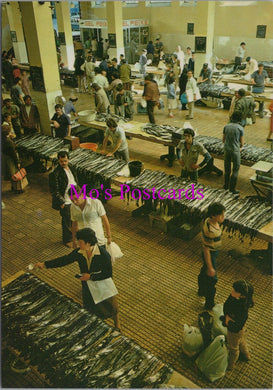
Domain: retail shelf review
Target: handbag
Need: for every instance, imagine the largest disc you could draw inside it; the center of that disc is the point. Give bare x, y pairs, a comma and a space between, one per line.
19, 175
102, 289
183, 98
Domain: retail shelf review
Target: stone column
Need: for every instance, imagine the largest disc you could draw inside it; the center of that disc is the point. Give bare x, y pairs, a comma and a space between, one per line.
41, 47
204, 27
114, 20
17, 33
65, 33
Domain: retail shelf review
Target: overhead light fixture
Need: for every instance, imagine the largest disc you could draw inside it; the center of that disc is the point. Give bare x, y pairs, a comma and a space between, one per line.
236, 3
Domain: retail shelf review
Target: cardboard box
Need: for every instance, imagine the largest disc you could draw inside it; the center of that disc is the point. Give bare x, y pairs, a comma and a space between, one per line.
19, 185
73, 141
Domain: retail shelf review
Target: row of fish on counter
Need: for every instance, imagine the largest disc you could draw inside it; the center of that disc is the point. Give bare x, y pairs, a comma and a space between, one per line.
71, 346
243, 216
214, 145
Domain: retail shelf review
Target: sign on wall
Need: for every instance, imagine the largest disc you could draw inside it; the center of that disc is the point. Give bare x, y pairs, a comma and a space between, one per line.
200, 44
190, 28
261, 31
13, 36
112, 40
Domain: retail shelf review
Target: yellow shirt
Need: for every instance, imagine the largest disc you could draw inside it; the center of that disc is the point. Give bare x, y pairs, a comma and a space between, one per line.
211, 236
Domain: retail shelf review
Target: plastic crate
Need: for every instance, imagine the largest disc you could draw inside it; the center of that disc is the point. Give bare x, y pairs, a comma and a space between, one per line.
158, 221
179, 228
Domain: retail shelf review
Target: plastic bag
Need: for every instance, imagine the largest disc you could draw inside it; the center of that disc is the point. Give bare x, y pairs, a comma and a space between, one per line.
161, 105
213, 361
114, 251
192, 341
183, 98
205, 321
143, 103
217, 327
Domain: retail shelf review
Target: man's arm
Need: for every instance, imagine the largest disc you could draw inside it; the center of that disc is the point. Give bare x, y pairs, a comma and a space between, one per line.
104, 144
106, 225
210, 269
241, 142
68, 130
115, 148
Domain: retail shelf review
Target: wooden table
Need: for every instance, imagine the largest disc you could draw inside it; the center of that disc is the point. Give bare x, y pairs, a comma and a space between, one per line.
264, 98
234, 80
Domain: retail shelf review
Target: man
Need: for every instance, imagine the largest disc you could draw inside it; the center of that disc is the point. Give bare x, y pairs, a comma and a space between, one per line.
188, 55
190, 150
143, 62
17, 93
94, 44
101, 100
242, 105
259, 78
103, 65
14, 112
205, 74
125, 74
100, 78
60, 181
211, 240
239, 55
133, 49
61, 122
151, 95
251, 67
29, 116
112, 90
233, 139
158, 47
191, 91
88, 213
175, 70
87, 44
124, 102
120, 146
192, 62
69, 106
7, 70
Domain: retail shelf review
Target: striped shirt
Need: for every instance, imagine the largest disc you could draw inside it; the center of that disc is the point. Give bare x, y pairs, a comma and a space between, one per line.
211, 236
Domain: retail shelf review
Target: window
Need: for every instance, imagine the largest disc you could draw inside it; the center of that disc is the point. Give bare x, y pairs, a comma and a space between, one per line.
158, 3
130, 3
98, 4
187, 3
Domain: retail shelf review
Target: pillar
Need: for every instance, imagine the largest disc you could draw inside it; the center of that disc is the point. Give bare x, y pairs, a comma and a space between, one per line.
114, 20
16, 30
204, 27
65, 33
41, 47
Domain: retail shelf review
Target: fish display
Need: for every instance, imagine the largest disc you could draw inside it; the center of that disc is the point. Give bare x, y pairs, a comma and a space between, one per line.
102, 117
213, 145
242, 216
71, 346
40, 146
213, 90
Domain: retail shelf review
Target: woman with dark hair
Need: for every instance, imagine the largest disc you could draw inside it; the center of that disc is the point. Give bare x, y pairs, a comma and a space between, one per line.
95, 264
235, 316
182, 85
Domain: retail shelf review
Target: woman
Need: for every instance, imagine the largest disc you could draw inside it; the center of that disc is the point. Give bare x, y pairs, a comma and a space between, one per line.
95, 264
235, 316
182, 86
10, 158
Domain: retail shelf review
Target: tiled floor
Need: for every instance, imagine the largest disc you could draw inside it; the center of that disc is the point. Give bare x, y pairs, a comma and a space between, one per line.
157, 276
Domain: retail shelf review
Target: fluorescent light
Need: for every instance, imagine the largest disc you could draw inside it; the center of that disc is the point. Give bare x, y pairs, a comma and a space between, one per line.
237, 3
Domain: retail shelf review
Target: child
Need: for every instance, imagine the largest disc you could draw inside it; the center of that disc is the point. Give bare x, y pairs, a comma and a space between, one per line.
171, 97
235, 316
211, 239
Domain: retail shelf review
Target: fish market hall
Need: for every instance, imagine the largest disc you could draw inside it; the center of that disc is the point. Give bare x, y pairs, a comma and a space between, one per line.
137, 194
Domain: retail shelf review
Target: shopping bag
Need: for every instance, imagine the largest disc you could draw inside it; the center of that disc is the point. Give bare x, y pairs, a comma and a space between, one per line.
213, 361
248, 121
161, 105
143, 103
102, 289
217, 326
114, 251
192, 341
19, 175
183, 98
19, 185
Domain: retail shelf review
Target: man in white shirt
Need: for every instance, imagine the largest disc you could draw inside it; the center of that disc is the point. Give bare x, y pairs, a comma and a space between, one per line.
87, 212
251, 67
191, 91
60, 181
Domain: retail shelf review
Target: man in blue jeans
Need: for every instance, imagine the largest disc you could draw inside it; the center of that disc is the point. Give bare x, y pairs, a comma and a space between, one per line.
233, 138
211, 240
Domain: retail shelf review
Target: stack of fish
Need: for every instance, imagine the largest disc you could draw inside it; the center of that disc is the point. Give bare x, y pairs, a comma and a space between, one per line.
72, 347
213, 90
103, 117
41, 146
243, 216
94, 168
162, 131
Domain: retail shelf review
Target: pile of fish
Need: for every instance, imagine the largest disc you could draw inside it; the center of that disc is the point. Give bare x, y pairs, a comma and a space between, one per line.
41, 146
162, 131
213, 90
245, 216
71, 346
94, 168
103, 117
